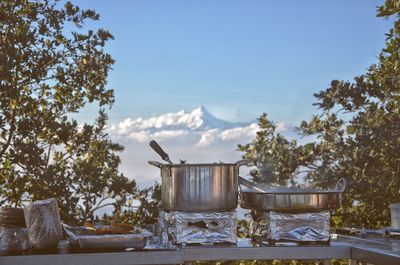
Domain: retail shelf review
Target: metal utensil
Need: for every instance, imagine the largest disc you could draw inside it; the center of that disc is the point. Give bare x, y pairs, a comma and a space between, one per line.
249, 184
112, 241
156, 147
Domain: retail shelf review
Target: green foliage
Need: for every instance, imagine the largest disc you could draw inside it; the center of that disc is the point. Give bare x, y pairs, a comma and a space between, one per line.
357, 136
46, 74
144, 212
273, 155
150, 202
365, 147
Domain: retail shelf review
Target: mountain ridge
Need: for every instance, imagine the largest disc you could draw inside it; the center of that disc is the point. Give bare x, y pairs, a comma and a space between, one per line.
197, 119
211, 121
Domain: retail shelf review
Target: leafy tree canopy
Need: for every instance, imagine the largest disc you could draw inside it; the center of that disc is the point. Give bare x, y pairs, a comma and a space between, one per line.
47, 73
357, 136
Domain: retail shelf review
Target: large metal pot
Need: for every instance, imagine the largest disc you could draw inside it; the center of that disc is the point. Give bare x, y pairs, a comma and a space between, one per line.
199, 187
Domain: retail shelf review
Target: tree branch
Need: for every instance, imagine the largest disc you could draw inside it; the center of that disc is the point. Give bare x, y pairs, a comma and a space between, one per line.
48, 158
102, 206
311, 166
11, 134
99, 206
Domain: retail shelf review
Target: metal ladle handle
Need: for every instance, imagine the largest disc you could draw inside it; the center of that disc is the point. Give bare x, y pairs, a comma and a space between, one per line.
249, 184
243, 162
341, 184
156, 164
156, 147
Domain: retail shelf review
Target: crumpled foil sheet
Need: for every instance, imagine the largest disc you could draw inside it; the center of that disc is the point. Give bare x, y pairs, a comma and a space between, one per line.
13, 239
202, 228
300, 227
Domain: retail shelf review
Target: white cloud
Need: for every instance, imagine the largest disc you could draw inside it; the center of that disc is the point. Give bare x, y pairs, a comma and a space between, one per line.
145, 135
182, 119
282, 127
239, 132
140, 136
207, 137
168, 134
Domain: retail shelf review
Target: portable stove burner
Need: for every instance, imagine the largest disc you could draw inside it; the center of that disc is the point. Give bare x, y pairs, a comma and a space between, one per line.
202, 228
291, 227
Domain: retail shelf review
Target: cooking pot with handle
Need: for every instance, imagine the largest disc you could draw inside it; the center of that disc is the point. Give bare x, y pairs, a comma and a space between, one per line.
199, 187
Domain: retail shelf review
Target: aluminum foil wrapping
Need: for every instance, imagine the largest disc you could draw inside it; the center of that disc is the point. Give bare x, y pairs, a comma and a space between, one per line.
43, 222
300, 227
13, 239
202, 228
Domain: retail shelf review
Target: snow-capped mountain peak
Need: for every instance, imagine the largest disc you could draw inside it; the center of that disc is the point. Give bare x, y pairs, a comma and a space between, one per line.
209, 121
197, 119
198, 127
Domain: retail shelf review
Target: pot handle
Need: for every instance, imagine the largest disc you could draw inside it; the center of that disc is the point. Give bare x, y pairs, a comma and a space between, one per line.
239, 185
156, 147
248, 184
156, 164
242, 162
341, 184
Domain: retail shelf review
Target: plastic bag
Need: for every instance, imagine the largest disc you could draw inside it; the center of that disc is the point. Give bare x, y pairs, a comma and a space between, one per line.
43, 223
13, 239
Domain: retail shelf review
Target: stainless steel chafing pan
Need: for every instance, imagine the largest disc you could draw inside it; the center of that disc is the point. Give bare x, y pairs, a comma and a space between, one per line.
293, 200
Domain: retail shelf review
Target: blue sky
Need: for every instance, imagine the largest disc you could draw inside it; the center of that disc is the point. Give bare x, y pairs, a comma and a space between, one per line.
237, 58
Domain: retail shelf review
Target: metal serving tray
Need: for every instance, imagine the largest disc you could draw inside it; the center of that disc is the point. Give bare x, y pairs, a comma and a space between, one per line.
293, 200
136, 241
84, 237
